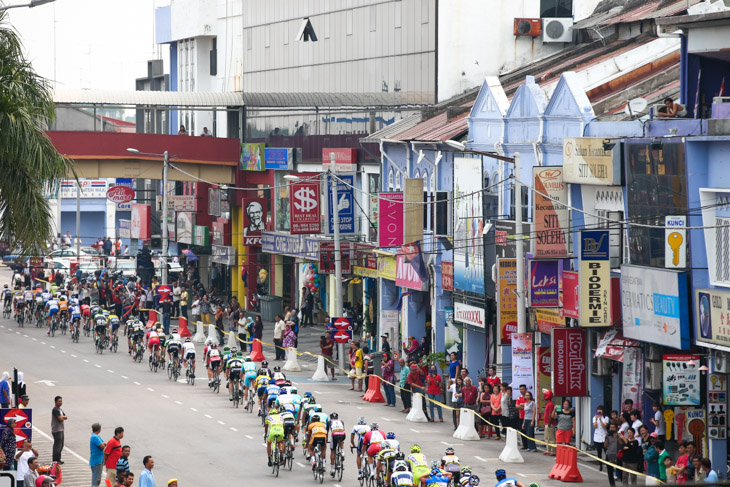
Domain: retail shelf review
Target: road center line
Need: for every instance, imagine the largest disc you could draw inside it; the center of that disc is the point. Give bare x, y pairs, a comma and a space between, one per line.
178, 402
233, 429
193, 409
110, 371
386, 419
74, 356
221, 422
26, 336
150, 389
518, 473
208, 416
53, 346
415, 431
97, 366
63, 351
43, 343
249, 437
137, 383
298, 463
124, 377
35, 339
86, 361
166, 397
480, 459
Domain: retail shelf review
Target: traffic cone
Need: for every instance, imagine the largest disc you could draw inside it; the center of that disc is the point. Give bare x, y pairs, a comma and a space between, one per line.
320, 374
232, 342
182, 326
213, 334
257, 355
292, 361
511, 451
466, 430
373, 393
416, 414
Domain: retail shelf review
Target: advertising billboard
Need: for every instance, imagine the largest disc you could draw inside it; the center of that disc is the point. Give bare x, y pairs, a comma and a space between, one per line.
544, 283
390, 224
254, 220
507, 299
587, 161
550, 213
595, 278
304, 210
712, 323
468, 225
252, 157
570, 363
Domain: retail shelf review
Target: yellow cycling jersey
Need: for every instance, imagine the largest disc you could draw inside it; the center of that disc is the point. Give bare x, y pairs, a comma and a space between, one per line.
317, 430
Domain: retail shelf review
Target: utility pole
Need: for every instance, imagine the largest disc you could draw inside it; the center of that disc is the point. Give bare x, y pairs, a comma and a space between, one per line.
78, 224
165, 238
519, 249
338, 260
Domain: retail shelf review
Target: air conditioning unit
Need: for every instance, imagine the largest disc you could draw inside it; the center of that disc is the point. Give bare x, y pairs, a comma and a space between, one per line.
653, 375
652, 352
527, 27
558, 29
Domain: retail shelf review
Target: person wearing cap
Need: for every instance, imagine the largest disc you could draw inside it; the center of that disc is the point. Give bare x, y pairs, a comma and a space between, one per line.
24, 400
172, 483
96, 454
44, 481
385, 346
549, 422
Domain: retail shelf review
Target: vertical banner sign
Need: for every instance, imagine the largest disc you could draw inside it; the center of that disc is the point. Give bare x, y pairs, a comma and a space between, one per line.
680, 382
675, 242
544, 283
214, 202
254, 220
550, 212
522, 369
717, 403
447, 276
304, 211
141, 219
632, 377
345, 204
595, 278
713, 317
413, 210
390, 222
569, 362
468, 225
571, 294
544, 372
507, 309
454, 335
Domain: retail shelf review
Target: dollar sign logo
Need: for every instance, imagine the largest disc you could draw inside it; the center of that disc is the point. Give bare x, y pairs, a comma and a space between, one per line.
307, 202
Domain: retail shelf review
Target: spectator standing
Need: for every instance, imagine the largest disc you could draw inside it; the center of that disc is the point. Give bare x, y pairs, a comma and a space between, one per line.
413, 349
147, 478
289, 340
32, 474
184, 296
58, 422
405, 393
195, 310
176, 293
433, 389
384, 345
206, 133
166, 309
123, 462
549, 422
327, 346
631, 456
710, 475
219, 315
636, 422
565, 417
8, 445
113, 452
504, 401
388, 371
205, 312
529, 420
356, 361
492, 378
181, 131
514, 415
471, 394
496, 402
96, 454
5, 390
415, 384
454, 367
683, 461
658, 421
258, 328
457, 399
279, 328
663, 456
22, 457
520, 402
611, 445
600, 429
485, 408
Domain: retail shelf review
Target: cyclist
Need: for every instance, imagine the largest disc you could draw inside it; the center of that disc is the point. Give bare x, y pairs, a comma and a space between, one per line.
189, 354
233, 368
226, 354
359, 429
262, 381
337, 429
450, 463
279, 378
271, 393
372, 442
99, 327
290, 424
174, 348
75, 316
7, 296
266, 369
19, 304
114, 322
419, 465
213, 361
401, 477
249, 375
63, 308
465, 476
386, 456
437, 477
28, 298
504, 481
274, 432
316, 435
153, 343
137, 335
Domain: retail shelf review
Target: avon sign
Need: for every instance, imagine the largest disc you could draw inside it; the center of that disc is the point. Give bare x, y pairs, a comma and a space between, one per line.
406, 276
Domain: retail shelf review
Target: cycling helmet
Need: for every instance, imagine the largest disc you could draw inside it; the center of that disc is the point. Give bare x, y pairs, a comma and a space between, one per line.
209, 341
534, 484
449, 451
260, 372
6, 286
400, 456
293, 390
174, 330
315, 418
400, 466
312, 400
415, 449
239, 353
215, 345
466, 471
499, 473
188, 339
264, 364
474, 481
317, 408
277, 369
390, 435
234, 350
226, 349
360, 421
307, 394
282, 408
247, 359
435, 466
334, 415
374, 426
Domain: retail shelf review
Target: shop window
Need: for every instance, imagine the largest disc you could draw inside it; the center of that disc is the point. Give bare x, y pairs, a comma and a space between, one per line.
391, 183
397, 182
556, 8
442, 213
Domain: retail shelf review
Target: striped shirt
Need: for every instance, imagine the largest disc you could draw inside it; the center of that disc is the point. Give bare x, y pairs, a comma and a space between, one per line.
123, 465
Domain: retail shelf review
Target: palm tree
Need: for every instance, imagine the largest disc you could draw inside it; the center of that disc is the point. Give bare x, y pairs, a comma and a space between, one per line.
29, 162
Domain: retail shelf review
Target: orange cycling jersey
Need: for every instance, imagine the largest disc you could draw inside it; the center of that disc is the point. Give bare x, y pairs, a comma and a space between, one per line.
317, 430
63, 305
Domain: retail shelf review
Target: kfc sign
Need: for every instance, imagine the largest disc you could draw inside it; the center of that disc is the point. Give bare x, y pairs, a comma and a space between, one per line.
254, 221
569, 362
469, 315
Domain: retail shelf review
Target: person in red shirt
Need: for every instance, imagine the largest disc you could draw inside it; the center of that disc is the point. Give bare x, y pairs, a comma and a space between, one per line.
520, 402
492, 378
415, 384
549, 422
433, 389
113, 452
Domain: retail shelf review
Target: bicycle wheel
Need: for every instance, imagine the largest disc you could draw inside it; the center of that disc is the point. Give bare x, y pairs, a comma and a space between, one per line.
169, 371
192, 378
289, 456
115, 344
316, 464
320, 470
340, 468
235, 397
277, 461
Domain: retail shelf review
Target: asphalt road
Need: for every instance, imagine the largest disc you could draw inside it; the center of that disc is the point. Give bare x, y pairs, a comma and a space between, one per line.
196, 435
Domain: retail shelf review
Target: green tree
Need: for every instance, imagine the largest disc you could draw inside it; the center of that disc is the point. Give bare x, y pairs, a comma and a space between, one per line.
28, 160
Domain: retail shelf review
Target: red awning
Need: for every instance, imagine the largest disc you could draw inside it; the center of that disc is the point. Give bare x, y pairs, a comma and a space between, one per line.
612, 345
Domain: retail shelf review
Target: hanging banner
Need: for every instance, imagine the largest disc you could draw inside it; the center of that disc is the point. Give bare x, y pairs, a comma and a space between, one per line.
544, 373
327, 257
214, 202
406, 275
681, 380
304, 209
550, 212
252, 157
141, 218
717, 404
675, 242
124, 228
544, 283
390, 221
587, 161
453, 335
691, 425
447, 276
185, 224
468, 225
571, 294
339, 160
613, 344
387, 267
413, 210
633, 375
201, 236
254, 220
470, 315
570, 362
507, 306
595, 278
549, 318
345, 204
522, 369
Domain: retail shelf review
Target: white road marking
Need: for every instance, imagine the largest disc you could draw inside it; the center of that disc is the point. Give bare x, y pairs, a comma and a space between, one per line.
86, 361
221, 422
178, 402
97, 366
26, 336
233, 429
17, 333
124, 377
480, 459
65, 448
415, 431
43, 343
193, 409
301, 465
74, 356
386, 419
358, 407
249, 437
521, 474
53, 346
137, 383
63, 351
150, 389
263, 444
208, 416
35, 339
110, 371
317, 392
588, 467
166, 397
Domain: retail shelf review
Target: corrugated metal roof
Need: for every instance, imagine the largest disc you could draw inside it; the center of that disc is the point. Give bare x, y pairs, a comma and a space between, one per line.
635, 14
438, 128
392, 130
649, 10
234, 99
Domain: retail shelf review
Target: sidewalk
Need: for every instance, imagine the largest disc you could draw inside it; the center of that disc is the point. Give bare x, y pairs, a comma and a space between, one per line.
75, 469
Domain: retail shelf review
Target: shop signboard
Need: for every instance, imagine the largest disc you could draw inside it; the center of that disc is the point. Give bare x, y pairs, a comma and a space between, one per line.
632, 377
406, 275
505, 236
120, 194
252, 157
571, 294
470, 315
141, 216
681, 380
507, 302
675, 242
522, 369
387, 267
279, 159
549, 318
345, 205
223, 254
327, 257
214, 202
468, 225
218, 228
717, 405
453, 335
124, 228
570, 362
389, 323
655, 306
544, 283
544, 373
290, 245
390, 223
550, 211
339, 160
691, 425
712, 324
365, 263
587, 161
413, 210
180, 202
185, 223
254, 220
304, 209
201, 236
595, 278
447, 276
23, 424
90, 188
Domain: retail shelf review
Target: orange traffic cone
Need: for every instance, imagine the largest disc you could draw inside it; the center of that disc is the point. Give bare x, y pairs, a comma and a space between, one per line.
373, 393
257, 355
182, 326
152, 318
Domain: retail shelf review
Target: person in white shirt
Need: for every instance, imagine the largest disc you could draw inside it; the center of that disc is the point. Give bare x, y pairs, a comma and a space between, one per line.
279, 329
658, 420
22, 458
635, 421
600, 430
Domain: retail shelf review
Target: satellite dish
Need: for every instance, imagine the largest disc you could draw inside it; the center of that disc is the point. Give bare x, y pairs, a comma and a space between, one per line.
635, 106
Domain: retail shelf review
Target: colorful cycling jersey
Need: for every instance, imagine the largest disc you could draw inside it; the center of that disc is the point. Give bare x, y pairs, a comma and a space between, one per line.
176, 336
100, 320
509, 482
438, 480
7, 293
63, 304
360, 430
53, 305
323, 417
39, 299
114, 320
451, 463
402, 479
138, 328
153, 335
28, 295
386, 454
272, 390
47, 296
417, 460
278, 376
391, 444
317, 430
76, 311
288, 417
249, 368
262, 381
374, 437
337, 427
188, 347
174, 344
214, 355
234, 364
274, 419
